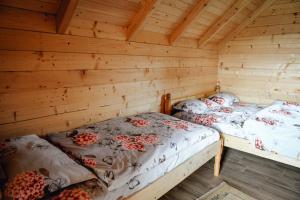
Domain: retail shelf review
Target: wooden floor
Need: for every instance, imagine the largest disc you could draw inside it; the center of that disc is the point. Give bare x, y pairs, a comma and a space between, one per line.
260, 178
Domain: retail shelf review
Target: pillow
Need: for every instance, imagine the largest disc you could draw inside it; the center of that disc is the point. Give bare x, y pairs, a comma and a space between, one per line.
35, 167
210, 104
194, 106
87, 190
224, 98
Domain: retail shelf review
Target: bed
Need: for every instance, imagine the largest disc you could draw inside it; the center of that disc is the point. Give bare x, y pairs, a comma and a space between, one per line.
276, 129
228, 120
247, 128
137, 157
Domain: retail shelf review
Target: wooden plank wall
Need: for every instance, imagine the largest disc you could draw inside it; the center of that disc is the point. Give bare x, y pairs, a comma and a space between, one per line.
51, 82
263, 62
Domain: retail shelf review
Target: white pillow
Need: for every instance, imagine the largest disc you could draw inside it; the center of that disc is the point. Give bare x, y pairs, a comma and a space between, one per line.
193, 106
224, 98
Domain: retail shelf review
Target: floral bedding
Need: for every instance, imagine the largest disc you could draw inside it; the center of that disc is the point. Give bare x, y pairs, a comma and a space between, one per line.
88, 190
191, 105
99, 191
94, 189
35, 168
276, 128
224, 98
228, 120
120, 149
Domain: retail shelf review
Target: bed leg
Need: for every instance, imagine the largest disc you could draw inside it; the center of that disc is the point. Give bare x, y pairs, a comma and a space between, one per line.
218, 158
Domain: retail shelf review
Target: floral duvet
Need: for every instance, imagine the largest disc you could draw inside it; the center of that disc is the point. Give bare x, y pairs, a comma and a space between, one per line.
228, 120
122, 151
276, 128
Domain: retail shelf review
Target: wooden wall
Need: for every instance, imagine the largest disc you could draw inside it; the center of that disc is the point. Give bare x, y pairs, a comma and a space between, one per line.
51, 82
263, 62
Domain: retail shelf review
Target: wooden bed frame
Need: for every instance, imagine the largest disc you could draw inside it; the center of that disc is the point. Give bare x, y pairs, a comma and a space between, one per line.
245, 146
240, 143
165, 183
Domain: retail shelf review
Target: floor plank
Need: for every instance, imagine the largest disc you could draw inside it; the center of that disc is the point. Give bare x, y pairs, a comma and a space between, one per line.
260, 178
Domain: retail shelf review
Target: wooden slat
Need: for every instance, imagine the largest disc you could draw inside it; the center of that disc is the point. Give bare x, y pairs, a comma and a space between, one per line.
264, 5
46, 102
17, 81
246, 146
16, 18
54, 61
50, 7
64, 14
267, 66
94, 28
139, 19
270, 30
25, 40
222, 21
272, 20
187, 20
71, 115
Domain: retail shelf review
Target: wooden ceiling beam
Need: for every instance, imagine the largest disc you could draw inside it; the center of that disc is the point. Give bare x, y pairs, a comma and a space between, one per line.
64, 15
222, 21
140, 18
263, 6
187, 20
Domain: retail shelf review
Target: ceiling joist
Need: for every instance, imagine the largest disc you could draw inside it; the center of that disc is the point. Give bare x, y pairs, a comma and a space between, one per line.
139, 19
187, 20
263, 6
65, 14
237, 6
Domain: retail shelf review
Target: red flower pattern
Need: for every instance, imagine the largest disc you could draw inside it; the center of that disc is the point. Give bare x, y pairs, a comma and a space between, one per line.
288, 103
74, 194
86, 138
218, 100
139, 122
207, 120
181, 125
208, 103
225, 110
147, 139
136, 142
122, 138
26, 185
258, 144
281, 112
178, 124
271, 122
133, 146
89, 162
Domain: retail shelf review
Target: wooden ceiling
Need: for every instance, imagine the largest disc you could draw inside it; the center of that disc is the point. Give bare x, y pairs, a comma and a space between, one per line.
207, 21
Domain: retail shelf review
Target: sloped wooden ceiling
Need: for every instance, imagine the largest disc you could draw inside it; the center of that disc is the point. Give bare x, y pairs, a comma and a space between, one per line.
154, 21
160, 18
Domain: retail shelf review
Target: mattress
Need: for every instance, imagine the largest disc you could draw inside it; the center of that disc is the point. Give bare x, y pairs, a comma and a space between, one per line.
227, 120
276, 129
122, 151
